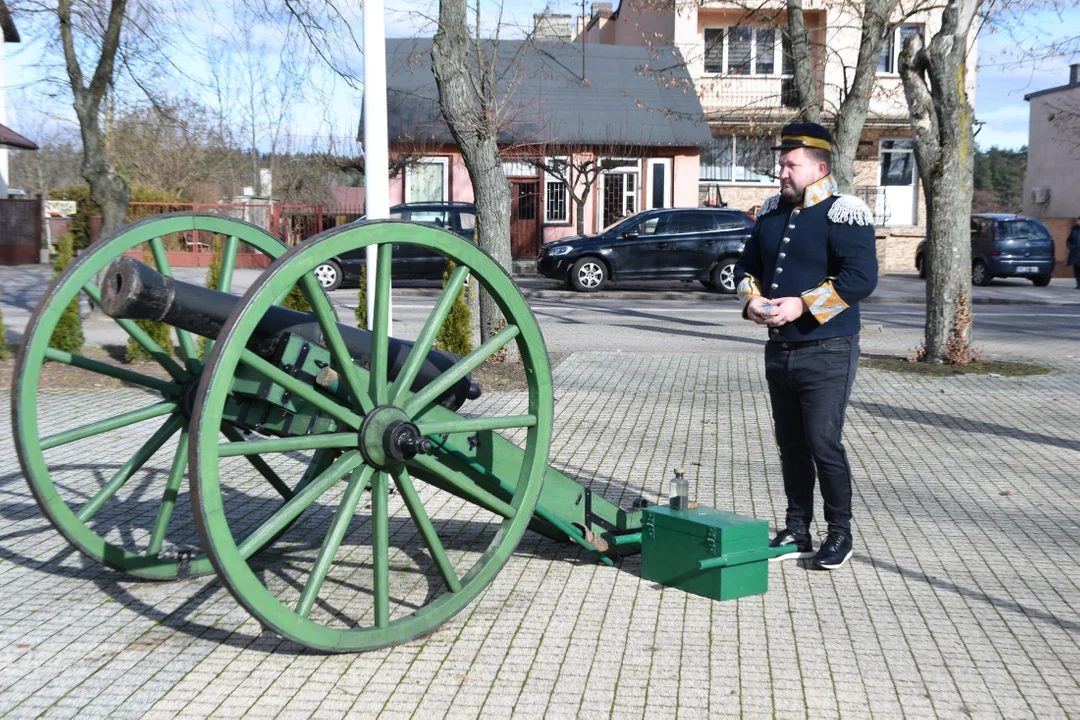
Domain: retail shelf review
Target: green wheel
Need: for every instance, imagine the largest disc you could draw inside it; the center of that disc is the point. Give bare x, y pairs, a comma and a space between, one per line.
360, 571
102, 475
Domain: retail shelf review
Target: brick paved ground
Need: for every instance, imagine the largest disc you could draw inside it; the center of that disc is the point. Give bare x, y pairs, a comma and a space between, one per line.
960, 600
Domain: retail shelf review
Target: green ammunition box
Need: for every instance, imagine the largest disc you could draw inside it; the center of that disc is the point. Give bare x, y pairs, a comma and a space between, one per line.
734, 548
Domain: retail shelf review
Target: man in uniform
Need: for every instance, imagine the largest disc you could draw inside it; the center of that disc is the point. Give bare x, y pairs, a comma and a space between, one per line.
808, 263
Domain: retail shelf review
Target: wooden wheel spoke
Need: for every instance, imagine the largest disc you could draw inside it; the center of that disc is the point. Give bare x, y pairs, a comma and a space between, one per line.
427, 530
463, 486
259, 464
108, 424
471, 425
327, 318
288, 444
144, 453
380, 548
342, 516
119, 373
225, 277
183, 337
435, 321
298, 388
143, 338
300, 502
380, 333
460, 369
168, 499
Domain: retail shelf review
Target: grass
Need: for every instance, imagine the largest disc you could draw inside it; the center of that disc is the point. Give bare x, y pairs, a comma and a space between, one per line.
1004, 368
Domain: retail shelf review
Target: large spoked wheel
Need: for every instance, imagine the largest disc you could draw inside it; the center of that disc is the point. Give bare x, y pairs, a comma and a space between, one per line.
357, 571
103, 475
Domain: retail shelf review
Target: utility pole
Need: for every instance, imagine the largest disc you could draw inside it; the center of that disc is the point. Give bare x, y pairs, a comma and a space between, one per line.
376, 141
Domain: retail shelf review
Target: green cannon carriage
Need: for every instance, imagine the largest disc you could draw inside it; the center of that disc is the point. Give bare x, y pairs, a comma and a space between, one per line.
329, 469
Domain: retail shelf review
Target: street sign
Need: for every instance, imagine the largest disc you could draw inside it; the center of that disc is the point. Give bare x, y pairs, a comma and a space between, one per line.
60, 208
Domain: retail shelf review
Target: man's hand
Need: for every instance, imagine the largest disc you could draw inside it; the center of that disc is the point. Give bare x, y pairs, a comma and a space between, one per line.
788, 309
755, 311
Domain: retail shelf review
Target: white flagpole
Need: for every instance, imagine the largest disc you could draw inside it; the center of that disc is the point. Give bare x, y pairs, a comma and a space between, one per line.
376, 148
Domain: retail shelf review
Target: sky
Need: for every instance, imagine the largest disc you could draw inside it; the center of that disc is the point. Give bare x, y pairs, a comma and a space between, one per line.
334, 108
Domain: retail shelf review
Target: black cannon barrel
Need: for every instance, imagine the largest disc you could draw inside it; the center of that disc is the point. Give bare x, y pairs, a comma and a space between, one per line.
136, 291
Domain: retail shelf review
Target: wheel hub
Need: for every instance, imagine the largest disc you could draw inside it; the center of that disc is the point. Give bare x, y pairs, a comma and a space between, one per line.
388, 437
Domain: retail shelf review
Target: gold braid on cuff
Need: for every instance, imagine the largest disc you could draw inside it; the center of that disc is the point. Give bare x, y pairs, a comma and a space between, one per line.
824, 302
748, 288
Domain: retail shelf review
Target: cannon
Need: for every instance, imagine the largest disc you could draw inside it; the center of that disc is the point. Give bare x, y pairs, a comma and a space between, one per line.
329, 468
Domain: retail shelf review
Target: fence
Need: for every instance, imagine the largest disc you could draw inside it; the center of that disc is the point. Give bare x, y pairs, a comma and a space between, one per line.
20, 231
290, 223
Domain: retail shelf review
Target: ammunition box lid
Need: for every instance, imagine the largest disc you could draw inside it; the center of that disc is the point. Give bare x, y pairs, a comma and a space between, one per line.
698, 521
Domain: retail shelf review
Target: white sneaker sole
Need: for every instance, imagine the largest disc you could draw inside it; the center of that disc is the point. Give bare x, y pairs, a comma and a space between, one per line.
835, 566
792, 556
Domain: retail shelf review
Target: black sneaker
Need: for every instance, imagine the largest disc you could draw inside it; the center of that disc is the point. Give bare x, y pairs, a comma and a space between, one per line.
834, 552
791, 537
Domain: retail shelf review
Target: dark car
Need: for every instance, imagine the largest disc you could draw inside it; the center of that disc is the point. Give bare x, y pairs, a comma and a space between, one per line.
674, 243
411, 262
1005, 245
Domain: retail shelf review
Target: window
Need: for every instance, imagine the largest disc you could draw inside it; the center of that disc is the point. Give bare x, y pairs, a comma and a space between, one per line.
426, 180
467, 220
739, 158
556, 200
894, 43
741, 50
897, 162
438, 218
695, 222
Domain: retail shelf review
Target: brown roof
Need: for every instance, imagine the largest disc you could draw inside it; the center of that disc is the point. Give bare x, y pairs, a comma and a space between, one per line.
7, 25
13, 139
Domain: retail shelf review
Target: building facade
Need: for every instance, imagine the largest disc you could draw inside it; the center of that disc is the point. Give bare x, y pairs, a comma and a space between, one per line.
1051, 190
572, 127
740, 62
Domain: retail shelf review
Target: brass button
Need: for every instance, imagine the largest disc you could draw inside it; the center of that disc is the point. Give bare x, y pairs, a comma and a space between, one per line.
774, 286
783, 255
791, 226
787, 240
779, 270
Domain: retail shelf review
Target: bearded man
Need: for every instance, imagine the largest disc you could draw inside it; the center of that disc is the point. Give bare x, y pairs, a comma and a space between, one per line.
808, 263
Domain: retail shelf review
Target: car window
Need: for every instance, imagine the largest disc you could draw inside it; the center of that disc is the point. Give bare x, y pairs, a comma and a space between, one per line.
694, 222
467, 220
649, 226
438, 218
1021, 230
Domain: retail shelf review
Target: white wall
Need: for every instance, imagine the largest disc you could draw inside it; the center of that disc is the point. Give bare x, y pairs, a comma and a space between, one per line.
1053, 154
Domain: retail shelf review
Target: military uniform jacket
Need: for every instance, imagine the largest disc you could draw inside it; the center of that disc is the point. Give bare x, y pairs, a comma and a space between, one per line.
822, 250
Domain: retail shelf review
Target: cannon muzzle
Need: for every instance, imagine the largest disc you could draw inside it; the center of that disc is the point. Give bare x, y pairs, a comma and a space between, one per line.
137, 291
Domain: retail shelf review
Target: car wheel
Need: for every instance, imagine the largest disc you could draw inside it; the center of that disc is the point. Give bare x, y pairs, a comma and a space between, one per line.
1041, 280
980, 274
588, 275
723, 277
920, 265
329, 275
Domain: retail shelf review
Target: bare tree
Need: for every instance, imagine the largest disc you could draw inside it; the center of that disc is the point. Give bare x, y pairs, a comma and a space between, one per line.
935, 82
109, 190
469, 97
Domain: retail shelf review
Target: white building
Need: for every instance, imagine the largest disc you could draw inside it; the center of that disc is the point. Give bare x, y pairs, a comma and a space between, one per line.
8, 138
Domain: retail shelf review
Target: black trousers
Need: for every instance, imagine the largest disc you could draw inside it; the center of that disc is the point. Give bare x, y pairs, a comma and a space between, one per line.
809, 386
1076, 272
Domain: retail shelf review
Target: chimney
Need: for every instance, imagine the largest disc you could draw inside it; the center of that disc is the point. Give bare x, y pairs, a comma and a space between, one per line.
1074, 74
548, 26
601, 7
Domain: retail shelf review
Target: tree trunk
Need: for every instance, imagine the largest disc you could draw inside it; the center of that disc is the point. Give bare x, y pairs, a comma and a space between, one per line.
107, 189
805, 88
475, 130
856, 101
934, 80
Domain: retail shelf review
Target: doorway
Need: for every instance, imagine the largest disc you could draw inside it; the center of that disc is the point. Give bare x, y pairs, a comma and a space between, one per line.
898, 199
525, 203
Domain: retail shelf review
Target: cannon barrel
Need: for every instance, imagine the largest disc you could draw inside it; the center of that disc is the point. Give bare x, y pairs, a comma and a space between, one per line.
136, 291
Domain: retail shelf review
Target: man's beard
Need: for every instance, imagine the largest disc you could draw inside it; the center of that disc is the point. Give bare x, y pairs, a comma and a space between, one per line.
791, 194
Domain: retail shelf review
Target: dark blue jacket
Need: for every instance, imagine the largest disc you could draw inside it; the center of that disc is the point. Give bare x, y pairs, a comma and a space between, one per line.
824, 253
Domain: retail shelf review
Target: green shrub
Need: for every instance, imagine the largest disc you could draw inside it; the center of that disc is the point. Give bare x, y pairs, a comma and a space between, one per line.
456, 333
68, 334
295, 300
361, 309
158, 332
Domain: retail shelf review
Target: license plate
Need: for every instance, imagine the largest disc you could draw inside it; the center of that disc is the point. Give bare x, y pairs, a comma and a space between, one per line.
1027, 269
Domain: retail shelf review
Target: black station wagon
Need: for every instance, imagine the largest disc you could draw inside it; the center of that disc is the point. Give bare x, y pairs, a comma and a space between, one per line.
674, 243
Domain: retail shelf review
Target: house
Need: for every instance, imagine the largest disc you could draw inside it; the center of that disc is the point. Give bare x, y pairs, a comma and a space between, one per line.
8, 138
1051, 192
740, 61
602, 121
